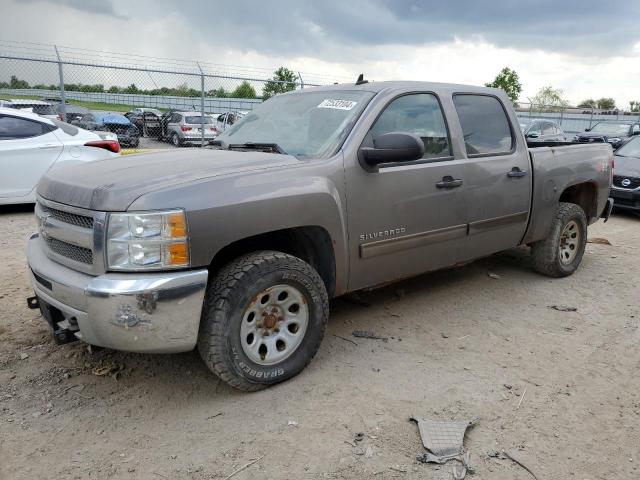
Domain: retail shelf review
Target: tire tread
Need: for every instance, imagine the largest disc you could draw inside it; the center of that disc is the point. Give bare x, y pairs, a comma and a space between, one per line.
212, 339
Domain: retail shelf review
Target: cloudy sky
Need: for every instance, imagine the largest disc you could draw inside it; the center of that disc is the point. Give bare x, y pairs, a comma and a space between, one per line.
588, 48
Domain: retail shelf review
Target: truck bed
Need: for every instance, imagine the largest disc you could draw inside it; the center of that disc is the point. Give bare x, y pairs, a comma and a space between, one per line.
557, 167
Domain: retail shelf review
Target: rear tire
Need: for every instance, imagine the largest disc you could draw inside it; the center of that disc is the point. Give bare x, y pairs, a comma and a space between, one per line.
175, 140
560, 254
263, 319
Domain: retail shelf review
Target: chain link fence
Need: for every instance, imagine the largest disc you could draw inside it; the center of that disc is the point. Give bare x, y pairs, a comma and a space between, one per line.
118, 82
573, 119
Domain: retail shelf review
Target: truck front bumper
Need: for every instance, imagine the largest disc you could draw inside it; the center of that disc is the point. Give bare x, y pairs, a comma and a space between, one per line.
135, 312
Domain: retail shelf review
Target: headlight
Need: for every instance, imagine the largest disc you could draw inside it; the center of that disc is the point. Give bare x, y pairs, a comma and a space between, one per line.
576, 138
613, 140
147, 241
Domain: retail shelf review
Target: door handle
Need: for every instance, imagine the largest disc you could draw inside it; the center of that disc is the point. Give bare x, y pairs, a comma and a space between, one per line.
449, 182
516, 173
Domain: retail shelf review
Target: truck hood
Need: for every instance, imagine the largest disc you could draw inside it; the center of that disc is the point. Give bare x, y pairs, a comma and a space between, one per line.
115, 183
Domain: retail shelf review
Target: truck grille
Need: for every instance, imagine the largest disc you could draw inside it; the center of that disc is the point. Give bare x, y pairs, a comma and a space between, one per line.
70, 218
634, 182
67, 235
73, 252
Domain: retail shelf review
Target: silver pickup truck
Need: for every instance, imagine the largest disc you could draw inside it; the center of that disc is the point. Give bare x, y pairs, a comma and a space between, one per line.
237, 249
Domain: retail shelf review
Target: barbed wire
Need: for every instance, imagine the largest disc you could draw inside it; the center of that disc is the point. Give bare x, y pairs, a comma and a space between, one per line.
43, 51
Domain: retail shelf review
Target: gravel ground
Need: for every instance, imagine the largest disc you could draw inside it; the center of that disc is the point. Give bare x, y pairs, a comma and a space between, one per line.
558, 390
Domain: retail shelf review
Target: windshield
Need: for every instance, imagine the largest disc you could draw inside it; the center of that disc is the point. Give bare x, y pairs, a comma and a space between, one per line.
198, 120
310, 124
630, 149
611, 128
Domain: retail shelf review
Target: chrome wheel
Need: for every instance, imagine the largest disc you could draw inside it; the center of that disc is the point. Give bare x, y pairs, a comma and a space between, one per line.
274, 324
569, 242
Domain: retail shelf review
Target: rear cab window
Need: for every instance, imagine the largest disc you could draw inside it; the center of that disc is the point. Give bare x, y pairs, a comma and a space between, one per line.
485, 125
198, 120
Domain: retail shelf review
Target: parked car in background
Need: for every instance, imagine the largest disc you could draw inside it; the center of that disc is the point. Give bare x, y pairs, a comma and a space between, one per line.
541, 130
128, 134
146, 120
626, 176
44, 109
30, 145
73, 112
616, 133
185, 128
226, 120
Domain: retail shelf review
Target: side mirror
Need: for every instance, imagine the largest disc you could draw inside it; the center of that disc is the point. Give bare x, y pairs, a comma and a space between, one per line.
587, 129
392, 147
533, 135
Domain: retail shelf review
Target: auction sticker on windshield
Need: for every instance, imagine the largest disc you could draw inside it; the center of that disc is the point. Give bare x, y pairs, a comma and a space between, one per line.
337, 104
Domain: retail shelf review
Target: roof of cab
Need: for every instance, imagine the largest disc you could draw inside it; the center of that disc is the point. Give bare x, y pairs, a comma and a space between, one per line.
403, 85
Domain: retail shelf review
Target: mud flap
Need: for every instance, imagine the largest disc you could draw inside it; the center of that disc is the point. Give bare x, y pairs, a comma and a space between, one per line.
607, 209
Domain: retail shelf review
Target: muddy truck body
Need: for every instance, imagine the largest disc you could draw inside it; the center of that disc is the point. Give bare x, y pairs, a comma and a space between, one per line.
237, 249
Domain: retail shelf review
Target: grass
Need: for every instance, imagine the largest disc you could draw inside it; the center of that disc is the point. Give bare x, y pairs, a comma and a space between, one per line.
110, 107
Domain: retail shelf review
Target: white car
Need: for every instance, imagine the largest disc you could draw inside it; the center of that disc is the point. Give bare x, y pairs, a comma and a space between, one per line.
30, 145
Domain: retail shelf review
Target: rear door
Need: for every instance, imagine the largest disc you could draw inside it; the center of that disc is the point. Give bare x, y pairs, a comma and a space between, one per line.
406, 218
497, 175
28, 149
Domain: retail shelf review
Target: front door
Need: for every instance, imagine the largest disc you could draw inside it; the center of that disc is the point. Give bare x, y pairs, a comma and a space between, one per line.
410, 217
497, 176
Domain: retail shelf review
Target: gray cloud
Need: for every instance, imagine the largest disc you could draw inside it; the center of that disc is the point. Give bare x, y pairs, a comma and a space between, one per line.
295, 27
100, 7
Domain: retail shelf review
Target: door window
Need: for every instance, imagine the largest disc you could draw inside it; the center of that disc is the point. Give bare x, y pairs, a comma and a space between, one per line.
421, 115
12, 128
484, 122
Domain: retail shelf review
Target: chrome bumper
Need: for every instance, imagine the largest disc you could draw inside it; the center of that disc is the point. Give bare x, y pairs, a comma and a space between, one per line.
152, 312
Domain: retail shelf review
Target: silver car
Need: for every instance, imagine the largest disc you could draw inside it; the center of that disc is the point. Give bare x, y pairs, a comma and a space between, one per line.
184, 128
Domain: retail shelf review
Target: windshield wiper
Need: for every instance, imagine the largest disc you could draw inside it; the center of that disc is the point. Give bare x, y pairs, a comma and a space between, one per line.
263, 147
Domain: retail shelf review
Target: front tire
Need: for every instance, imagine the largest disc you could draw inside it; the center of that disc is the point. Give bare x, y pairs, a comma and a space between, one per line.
560, 254
264, 317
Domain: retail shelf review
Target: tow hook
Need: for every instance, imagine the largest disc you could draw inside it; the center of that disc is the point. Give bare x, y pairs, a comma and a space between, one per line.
33, 303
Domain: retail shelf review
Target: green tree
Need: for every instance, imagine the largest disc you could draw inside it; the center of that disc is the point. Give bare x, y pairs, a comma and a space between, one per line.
588, 103
284, 80
606, 103
244, 90
218, 92
634, 106
509, 81
548, 99
14, 82
131, 89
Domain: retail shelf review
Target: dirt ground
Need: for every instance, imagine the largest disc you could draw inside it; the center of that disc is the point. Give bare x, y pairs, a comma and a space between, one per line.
557, 390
